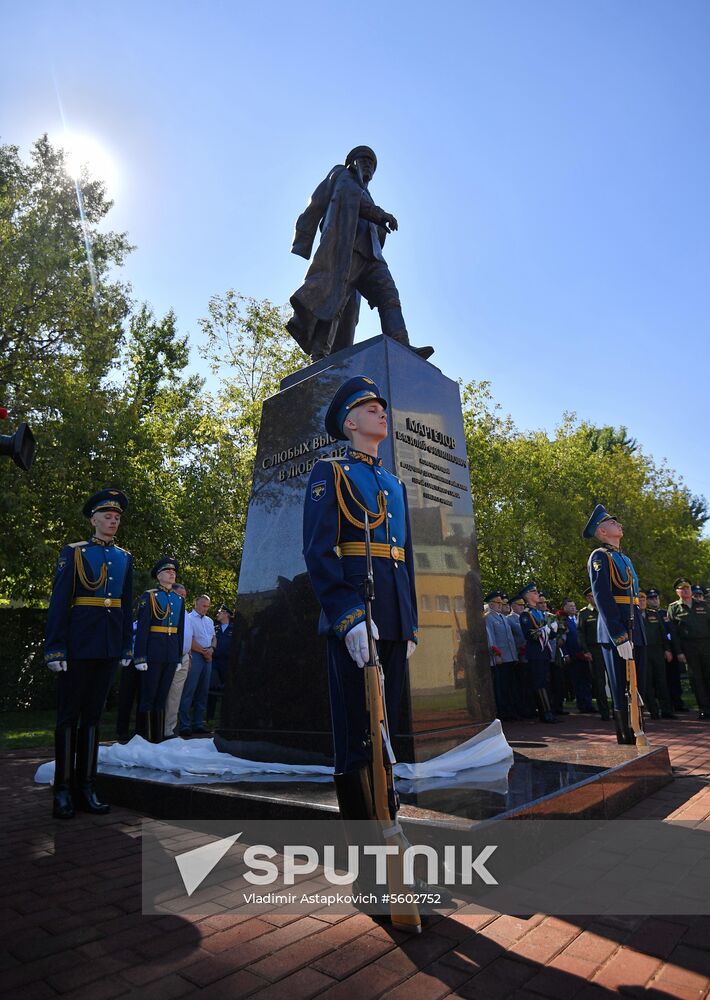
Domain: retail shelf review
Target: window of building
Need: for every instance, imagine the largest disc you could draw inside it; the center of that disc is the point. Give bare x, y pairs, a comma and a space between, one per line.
422, 560
450, 560
442, 602
426, 602
459, 605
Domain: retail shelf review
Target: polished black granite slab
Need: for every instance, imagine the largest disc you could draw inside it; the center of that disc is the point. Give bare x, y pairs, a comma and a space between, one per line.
275, 706
551, 780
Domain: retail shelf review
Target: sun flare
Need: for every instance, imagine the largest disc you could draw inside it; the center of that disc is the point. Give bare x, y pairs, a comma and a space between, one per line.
86, 152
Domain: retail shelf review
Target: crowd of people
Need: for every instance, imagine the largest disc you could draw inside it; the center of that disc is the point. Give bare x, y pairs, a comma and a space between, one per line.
170, 659
535, 673
186, 705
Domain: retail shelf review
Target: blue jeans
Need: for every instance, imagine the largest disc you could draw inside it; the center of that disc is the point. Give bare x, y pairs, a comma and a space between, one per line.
194, 694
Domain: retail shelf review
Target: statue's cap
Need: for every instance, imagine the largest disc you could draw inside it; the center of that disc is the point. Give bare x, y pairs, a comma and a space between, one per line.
360, 151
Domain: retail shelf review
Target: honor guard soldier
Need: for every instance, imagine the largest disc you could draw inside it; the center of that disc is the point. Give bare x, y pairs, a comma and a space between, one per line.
338, 494
158, 647
615, 588
690, 633
88, 634
537, 649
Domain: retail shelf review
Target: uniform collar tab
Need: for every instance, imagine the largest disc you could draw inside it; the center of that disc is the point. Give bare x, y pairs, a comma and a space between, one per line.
361, 456
99, 541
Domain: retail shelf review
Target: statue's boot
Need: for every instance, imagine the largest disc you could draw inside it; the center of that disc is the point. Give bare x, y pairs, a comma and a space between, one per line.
64, 739
393, 325
624, 733
87, 754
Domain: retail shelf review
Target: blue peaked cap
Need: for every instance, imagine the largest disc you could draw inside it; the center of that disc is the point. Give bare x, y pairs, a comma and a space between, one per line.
165, 562
520, 596
599, 514
108, 499
352, 393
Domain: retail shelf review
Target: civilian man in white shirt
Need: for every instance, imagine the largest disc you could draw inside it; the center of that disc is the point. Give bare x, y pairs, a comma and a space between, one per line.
175, 693
197, 685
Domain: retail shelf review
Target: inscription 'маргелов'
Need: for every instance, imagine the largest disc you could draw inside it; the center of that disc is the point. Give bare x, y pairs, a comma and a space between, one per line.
428, 473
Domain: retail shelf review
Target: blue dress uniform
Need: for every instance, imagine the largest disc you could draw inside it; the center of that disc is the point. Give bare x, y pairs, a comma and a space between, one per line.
501, 639
159, 640
220, 660
615, 588
538, 654
338, 493
88, 628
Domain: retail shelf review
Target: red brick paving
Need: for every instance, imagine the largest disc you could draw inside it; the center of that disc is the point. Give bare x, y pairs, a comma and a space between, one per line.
73, 928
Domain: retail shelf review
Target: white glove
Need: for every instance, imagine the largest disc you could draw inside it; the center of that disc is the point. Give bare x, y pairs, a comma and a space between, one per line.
56, 666
626, 650
554, 626
356, 643
411, 646
124, 662
141, 666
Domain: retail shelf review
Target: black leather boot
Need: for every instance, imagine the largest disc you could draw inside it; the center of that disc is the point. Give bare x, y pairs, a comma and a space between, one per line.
64, 740
544, 709
87, 754
144, 725
157, 722
393, 325
624, 734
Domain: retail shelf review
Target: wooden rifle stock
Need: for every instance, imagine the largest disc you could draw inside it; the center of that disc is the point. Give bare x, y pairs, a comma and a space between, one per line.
404, 916
634, 702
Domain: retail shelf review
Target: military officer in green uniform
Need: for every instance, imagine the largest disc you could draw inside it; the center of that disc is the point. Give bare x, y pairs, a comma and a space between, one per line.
658, 653
592, 651
690, 637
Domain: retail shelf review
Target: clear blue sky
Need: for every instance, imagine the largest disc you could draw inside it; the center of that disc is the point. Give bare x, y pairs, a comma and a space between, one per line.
548, 163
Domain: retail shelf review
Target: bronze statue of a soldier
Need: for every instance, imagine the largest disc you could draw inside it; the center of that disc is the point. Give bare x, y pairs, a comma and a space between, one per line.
347, 264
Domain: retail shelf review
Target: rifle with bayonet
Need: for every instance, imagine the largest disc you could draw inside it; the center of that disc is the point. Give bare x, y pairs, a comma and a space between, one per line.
404, 916
633, 695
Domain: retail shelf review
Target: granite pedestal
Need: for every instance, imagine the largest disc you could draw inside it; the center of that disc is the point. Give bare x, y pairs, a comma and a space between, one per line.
275, 706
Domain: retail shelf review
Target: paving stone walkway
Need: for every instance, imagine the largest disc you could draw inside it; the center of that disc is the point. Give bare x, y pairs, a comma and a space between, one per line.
72, 925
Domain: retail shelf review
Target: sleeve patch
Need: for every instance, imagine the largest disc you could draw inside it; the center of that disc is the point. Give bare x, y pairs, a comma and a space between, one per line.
348, 620
596, 565
318, 490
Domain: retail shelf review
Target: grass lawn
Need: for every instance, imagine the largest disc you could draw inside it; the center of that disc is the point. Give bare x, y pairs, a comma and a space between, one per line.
35, 728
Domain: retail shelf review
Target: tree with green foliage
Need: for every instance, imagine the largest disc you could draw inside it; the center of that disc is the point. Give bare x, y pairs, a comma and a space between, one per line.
249, 349
533, 493
61, 317
59, 307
